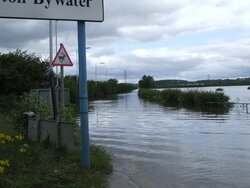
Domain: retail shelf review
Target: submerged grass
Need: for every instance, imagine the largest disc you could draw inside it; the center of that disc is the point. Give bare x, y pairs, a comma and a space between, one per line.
190, 99
25, 164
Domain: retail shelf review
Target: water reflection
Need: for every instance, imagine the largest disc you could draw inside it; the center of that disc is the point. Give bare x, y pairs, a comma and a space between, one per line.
157, 146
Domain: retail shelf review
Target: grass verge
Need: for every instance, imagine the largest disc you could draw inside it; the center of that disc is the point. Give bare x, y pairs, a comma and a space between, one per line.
25, 164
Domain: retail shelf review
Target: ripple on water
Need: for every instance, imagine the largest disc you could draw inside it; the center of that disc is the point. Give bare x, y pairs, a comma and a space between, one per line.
158, 146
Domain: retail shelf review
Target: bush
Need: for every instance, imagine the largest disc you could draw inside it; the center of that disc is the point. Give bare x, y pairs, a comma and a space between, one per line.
38, 105
149, 94
170, 96
188, 98
206, 98
176, 97
8, 102
20, 72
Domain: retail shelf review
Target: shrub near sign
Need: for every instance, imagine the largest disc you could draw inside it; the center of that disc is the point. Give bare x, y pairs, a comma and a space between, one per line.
85, 10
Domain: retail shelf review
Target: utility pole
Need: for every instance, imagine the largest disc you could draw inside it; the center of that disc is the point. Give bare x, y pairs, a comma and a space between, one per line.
62, 89
125, 76
51, 74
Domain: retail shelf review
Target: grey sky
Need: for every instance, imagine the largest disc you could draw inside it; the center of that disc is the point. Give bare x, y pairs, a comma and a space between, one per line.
180, 39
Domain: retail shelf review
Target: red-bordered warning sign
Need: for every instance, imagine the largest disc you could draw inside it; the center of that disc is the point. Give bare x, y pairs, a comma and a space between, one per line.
62, 58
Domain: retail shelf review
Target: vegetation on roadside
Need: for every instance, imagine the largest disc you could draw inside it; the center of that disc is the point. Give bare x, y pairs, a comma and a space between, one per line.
96, 89
191, 98
24, 164
37, 105
19, 72
27, 164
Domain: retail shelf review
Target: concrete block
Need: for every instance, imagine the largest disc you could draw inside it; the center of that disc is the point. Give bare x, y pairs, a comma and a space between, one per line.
49, 130
33, 129
67, 135
58, 133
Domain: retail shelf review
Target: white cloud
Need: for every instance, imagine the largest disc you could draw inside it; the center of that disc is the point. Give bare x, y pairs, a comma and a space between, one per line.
167, 39
219, 61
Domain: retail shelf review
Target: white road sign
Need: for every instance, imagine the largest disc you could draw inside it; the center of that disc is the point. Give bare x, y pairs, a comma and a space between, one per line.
62, 58
78, 10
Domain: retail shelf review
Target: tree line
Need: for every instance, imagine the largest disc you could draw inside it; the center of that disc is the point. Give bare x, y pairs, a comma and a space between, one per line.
97, 89
20, 72
148, 81
200, 83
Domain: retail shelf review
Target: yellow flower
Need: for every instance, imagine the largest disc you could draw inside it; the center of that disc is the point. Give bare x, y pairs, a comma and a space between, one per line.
2, 135
7, 137
19, 137
4, 138
2, 169
22, 150
11, 140
5, 162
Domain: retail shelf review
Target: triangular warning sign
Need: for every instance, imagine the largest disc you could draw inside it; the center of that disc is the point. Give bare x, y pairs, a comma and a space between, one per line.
62, 58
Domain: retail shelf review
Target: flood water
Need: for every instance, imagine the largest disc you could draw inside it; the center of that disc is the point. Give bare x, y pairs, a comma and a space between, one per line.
153, 146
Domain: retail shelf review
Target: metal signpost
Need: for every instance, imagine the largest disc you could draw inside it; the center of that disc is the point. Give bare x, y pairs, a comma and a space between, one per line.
62, 59
51, 75
75, 10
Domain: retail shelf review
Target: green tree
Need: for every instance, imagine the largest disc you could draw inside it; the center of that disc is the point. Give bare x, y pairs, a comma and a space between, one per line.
20, 72
112, 86
146, 82
92, 89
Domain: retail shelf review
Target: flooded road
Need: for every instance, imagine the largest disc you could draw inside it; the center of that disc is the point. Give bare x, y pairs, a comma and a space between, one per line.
156, 147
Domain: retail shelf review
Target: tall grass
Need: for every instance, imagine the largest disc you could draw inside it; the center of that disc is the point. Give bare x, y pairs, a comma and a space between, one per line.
176, 97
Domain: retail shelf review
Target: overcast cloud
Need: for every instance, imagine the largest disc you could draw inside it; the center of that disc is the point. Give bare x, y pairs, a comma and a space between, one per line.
181, 39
